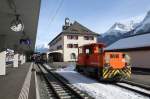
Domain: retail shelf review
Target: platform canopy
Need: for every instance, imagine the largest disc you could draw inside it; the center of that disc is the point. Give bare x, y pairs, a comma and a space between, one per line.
28, 12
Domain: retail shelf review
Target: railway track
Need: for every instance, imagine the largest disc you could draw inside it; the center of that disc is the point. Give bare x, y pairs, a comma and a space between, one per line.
137, 84
59, 88
139, 89
143, 89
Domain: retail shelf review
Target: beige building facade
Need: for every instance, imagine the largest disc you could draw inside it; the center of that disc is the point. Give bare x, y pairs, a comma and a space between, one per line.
140, 59
64, 47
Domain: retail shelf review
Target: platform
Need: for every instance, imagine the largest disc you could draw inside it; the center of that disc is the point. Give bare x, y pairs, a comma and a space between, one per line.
18, 83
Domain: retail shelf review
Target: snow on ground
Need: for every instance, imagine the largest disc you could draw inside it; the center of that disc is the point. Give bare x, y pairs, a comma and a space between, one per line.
68, 68
96, 89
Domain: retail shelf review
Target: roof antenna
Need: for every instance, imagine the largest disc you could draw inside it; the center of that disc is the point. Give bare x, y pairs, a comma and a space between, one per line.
67, 21
67, 24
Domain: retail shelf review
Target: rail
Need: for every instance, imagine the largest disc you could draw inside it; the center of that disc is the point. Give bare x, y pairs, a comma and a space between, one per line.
143, 91
59, 87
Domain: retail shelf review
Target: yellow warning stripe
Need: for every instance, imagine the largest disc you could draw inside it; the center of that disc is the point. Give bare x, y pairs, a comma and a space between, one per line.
111, 74
116, 72
108, 73
105, 76
105, 71
126, 73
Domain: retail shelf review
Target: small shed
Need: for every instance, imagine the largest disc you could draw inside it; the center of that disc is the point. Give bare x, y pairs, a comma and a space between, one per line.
137, 47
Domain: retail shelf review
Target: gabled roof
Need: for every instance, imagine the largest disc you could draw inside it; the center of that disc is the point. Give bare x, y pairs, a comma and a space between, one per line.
139, 42
76, 28
79, 29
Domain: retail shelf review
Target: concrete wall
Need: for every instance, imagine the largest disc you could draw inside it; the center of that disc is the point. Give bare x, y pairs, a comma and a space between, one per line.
140, 59
2, 63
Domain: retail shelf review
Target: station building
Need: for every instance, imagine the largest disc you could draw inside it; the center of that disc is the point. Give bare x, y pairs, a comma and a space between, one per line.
64, 47
137, 47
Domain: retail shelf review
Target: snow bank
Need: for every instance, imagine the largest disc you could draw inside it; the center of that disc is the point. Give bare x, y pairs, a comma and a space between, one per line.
68, 68
96, 89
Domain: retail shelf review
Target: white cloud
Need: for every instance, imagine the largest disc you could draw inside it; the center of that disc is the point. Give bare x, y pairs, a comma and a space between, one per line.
134, 19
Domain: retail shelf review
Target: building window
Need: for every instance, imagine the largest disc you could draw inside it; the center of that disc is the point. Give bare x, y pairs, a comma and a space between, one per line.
70, 45
59, 47
88, 38
73, 56
75, 37
69, 37
91, 38
75, 45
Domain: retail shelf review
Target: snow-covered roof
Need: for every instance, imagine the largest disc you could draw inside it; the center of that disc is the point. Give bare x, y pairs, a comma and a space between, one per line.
137, 41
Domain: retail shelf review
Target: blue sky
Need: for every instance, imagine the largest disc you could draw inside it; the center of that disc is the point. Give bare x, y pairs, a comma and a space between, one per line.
97, 15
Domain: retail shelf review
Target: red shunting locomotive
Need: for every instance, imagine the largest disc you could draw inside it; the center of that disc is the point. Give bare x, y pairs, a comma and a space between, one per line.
94, 61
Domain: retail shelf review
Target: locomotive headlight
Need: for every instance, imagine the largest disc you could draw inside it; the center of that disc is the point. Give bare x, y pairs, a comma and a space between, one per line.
123, 60
107, 62
127, 59
107, 59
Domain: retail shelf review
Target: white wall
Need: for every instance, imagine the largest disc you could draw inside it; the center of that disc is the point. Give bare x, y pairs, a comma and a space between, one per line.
15, 62
67, 51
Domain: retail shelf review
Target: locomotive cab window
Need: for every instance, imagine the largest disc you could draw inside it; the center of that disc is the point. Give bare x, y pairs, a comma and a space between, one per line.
100, 50
88, 51
80, 51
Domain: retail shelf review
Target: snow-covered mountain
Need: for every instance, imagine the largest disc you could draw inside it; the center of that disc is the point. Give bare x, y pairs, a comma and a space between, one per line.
41, 48
144, 26
120, 29
124, 26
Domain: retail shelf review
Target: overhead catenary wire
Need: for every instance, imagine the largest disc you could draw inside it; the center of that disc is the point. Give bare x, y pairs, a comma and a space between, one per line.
55, 14
57, 11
